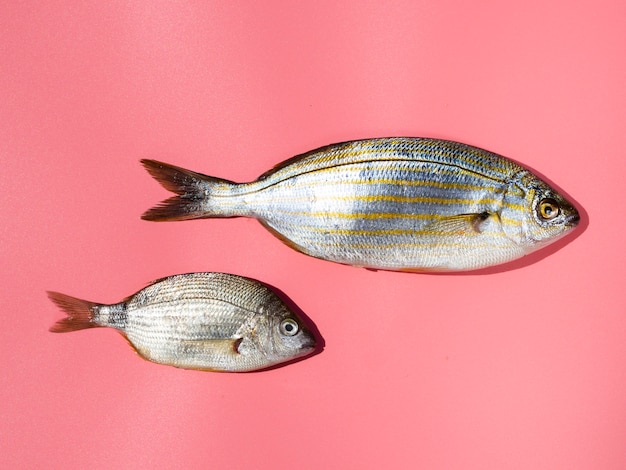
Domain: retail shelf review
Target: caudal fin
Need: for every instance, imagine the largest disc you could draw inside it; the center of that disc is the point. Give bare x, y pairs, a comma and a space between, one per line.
194, 193
80, 313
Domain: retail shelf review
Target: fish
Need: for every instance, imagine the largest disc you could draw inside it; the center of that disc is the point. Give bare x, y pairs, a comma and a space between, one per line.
398, 203
204, 321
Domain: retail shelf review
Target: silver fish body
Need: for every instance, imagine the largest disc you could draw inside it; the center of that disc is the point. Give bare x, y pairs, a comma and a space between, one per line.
408, 204
204, 321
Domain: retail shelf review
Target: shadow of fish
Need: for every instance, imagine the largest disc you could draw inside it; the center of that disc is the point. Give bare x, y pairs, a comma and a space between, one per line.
406, 204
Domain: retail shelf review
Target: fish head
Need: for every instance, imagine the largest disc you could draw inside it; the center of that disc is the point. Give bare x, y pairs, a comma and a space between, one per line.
289, 337
534, 214
277, 335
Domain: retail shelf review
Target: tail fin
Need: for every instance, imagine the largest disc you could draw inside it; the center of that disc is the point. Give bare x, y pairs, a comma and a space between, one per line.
193, 189
80, 313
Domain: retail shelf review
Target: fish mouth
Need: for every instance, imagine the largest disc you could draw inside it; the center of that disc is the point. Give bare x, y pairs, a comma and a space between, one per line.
308, 344
572, 219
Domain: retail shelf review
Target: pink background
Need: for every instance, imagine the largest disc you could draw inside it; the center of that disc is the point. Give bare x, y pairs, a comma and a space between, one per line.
521, 368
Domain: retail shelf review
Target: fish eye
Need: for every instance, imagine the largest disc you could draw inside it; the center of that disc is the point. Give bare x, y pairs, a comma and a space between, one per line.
548, 209
289, 327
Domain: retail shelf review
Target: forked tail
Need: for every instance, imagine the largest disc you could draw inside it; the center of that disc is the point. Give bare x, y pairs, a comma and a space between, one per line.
197, 194
80, 313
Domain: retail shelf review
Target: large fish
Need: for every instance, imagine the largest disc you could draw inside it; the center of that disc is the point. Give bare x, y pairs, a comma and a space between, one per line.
407, 204
204, 321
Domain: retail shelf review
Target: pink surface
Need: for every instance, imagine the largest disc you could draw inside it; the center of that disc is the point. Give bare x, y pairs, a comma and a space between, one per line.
518, 369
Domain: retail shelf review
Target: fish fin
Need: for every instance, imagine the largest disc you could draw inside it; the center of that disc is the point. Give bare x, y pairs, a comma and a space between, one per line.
194, 192
226, 346
138, 351
461, 224
334, 148
80, 313
283, 238
194, 349
209, 348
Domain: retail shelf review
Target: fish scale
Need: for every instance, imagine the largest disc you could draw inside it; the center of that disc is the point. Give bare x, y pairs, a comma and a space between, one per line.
391, 203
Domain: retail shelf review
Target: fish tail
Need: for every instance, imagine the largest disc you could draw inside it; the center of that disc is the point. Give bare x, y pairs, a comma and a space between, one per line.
195, 194
80, 313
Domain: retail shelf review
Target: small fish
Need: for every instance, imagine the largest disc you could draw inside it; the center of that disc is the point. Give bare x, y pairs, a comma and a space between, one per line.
203, 321
404, 204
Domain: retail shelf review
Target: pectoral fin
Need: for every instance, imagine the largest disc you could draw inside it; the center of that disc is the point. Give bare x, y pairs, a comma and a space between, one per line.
461, 224
218, 355
211, 347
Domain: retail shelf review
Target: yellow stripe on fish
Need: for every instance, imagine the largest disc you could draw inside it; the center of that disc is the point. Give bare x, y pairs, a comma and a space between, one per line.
395, 203
406, 199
